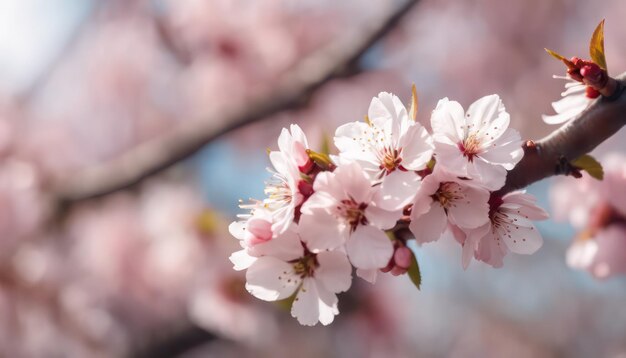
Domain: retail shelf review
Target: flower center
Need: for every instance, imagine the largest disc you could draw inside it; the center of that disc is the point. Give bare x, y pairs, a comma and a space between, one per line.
447, 194
390, 159
470, 147
353, 213
306, 265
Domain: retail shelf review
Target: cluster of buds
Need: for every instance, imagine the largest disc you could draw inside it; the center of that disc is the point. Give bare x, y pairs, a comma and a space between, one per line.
588, 73
587, 80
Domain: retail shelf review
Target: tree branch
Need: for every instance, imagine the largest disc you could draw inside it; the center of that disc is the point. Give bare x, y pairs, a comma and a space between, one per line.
580, 136
293, 91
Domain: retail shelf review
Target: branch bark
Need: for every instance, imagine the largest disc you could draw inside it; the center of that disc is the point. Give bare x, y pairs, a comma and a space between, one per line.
580, 136
296, 87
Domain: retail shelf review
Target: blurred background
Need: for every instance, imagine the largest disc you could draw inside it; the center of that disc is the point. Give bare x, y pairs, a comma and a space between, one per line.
144, 271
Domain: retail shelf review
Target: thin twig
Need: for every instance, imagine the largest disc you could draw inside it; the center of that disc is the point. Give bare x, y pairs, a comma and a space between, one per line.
293, 91
580, 136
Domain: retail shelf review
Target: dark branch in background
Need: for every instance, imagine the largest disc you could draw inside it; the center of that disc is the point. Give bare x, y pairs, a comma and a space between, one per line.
578, 137
293, 91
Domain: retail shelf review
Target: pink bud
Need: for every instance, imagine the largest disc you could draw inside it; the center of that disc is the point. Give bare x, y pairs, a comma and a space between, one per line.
591, 71
402, 257
591, 92
397, 271
258, 231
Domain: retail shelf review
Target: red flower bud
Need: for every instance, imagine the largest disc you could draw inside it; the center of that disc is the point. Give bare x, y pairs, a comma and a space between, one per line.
591, 92
402, 257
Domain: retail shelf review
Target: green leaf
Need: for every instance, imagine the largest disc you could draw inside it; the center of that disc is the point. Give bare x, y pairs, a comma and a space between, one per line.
561, 58
286, 303
325, 145
596, 46
321, 159
431, 163
414, 272
555, 55
590, 165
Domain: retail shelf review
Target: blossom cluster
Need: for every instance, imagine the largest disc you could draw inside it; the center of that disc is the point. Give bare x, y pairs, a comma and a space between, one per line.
597, 209
327, 214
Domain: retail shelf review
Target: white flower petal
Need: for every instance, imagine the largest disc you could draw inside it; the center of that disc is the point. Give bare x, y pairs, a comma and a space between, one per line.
447, 120
519, 238
429, 226
271, 279
369, 248
397, 190
334, 271
417, 147
320, 230
506, 150
491, 177
241, 260
309, 307
382, 218
485, 110
285, 247
472, 210
354, 183
369, 275
237, 229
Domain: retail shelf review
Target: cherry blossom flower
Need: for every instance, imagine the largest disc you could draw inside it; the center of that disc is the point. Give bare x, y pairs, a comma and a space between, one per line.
509, 229
345, 209
289, 268
257, 239
283, 190
389, 147
283, 195
445, 199
293, 144
603, 255
478, 145
574, 101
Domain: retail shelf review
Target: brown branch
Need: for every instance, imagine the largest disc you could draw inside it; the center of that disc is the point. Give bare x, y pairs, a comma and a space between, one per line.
580, 136
293, 91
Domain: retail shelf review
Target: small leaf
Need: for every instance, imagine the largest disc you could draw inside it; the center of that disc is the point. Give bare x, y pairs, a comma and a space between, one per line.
325, 145
590, 165
431, 163
321, 159
413, 110
555, 55
285, 304
561, 58
596, 46
414, 272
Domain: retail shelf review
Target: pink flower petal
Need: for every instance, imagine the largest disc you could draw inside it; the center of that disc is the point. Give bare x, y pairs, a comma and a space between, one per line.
429, 226
271, 279
369, 248
334, 271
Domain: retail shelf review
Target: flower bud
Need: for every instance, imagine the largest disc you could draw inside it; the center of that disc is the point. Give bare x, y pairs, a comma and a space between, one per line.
402, 257
258, 231
594, 76
591, 92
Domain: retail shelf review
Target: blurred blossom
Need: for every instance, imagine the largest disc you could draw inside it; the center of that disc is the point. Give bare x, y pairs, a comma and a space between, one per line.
597, 209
